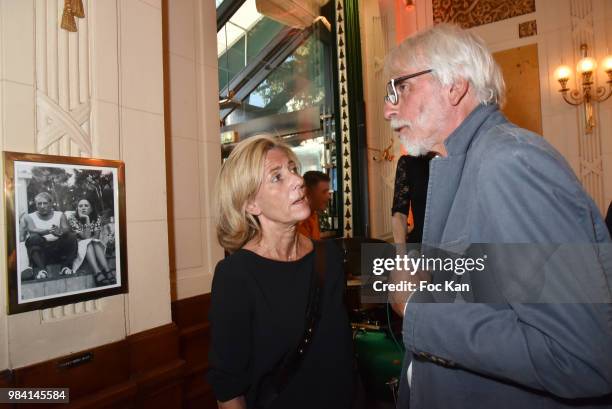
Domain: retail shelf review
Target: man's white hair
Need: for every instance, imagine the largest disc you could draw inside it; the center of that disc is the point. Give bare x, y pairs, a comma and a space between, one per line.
451, 53
44, 195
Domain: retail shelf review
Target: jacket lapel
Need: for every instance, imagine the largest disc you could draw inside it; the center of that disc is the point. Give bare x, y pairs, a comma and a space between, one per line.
444, 178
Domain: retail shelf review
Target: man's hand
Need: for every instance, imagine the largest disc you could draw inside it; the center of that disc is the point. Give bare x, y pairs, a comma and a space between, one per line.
55, 230
399, 299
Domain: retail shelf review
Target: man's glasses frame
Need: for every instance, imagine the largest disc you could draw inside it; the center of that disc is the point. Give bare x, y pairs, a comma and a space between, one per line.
392, 95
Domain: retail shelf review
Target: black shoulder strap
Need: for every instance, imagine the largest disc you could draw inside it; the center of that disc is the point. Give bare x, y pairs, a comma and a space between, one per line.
316, 286
290, 364
320, 261
313, 307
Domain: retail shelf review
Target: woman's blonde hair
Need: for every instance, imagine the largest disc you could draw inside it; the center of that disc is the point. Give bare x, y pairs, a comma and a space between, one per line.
238, 183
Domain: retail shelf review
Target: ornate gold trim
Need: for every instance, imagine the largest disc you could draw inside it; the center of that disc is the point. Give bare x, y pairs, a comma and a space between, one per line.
478, 12
345, 163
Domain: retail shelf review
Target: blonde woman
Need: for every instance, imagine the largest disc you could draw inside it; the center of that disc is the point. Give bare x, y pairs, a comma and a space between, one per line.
260, 292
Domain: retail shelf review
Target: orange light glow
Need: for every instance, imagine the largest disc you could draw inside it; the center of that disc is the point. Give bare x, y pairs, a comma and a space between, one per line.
607, 63
587, 64
563, 72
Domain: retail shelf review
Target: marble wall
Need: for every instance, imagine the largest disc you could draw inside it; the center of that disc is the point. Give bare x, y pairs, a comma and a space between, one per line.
561, 27
193, 140
120, 75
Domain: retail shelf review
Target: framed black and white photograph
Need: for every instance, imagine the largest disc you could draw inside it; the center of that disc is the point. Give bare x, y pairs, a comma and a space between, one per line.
65, 230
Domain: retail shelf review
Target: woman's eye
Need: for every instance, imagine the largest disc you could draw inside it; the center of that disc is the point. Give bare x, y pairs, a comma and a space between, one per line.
275, 178
294, 170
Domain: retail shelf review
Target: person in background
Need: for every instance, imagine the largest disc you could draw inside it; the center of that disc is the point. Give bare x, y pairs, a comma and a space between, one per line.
317, 191
50, 239
535, 330
409, 195
261, 290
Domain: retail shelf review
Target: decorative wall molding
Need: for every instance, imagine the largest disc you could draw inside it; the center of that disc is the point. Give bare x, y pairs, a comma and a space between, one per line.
528, 28
63, 103
63, 96
70, 310
57, 127
346, 162
589, 144
471, 13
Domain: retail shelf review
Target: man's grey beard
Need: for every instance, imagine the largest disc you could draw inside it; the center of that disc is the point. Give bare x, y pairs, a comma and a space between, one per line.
413, 147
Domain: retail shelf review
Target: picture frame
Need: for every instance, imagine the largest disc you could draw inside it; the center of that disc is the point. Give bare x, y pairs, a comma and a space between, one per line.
65, 230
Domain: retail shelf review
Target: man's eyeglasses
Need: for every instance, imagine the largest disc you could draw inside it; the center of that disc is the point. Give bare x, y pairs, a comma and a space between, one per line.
392, 96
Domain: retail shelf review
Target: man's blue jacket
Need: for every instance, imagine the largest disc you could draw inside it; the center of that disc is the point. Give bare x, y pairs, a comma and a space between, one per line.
535, 330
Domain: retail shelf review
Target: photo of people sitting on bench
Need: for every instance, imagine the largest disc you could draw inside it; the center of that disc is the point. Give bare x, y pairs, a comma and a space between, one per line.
66, 219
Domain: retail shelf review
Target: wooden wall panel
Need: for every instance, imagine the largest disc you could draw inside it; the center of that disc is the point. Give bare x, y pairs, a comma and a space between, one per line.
153, 348
144, 370
522, 76
162, 368
191, 311
156, 367
5, 379
108, 367
122, 396
195, 341
167, 398
191, 316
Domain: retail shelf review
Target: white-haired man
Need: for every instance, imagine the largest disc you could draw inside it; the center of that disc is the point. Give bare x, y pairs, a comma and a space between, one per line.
493, 183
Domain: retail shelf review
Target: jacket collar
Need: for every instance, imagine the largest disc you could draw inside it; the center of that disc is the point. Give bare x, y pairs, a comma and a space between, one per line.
460, 139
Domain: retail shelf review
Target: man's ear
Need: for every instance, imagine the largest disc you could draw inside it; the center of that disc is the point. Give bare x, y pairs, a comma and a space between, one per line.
458, 90
253, 208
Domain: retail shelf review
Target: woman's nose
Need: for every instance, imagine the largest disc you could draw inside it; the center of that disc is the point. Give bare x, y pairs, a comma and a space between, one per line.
298, 181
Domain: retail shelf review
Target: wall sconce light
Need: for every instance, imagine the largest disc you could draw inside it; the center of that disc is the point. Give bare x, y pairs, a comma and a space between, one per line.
586, 66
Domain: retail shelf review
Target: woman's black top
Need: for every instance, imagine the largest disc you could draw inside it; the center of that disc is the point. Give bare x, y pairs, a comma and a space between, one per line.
258, 314
411, 179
